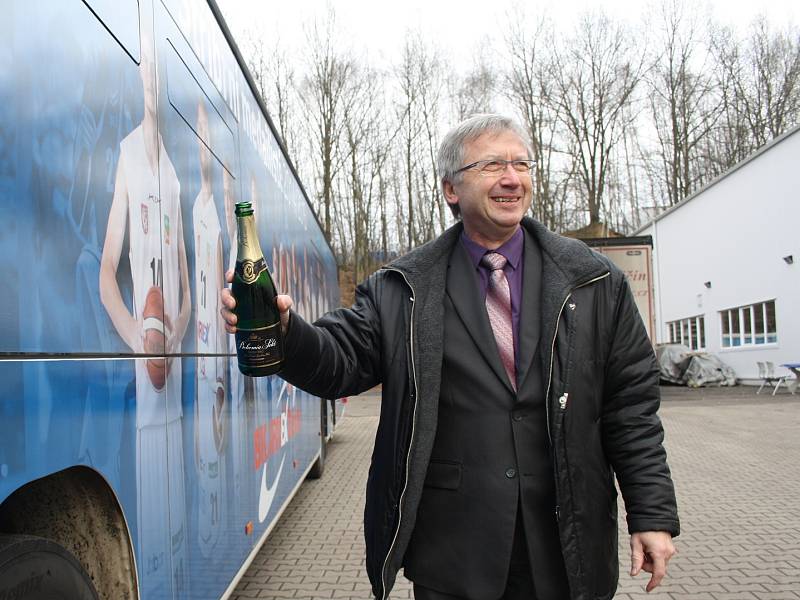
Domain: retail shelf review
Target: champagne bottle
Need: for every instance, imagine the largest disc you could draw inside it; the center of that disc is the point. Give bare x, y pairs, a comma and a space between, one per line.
259, 341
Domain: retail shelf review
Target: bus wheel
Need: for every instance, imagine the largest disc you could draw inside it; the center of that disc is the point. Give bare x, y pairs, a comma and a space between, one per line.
32, 568
318, 468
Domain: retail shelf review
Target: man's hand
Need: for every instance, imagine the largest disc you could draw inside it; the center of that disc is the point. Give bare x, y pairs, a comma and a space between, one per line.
283, 302
651, 551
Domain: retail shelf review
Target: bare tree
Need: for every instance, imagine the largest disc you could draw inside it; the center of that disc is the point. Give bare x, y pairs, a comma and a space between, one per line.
596, 74
475, 92
759, 84
683, 102
274, 75
635, 186
411, 130
531, 87
771, 89
367, 145
327, 99
600, 147
729, 142
417, 110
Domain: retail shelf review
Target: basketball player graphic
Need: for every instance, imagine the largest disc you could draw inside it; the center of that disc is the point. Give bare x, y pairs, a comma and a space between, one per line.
242, 388
210, 401
146, 206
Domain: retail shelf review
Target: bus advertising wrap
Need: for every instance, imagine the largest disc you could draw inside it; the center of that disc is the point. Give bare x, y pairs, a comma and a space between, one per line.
127, 133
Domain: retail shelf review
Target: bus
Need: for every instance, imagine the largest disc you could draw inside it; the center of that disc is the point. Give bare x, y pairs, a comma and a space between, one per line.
136, 461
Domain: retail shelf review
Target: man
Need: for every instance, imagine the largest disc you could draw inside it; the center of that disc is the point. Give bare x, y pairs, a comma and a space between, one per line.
514, 388
146, 205
209, 431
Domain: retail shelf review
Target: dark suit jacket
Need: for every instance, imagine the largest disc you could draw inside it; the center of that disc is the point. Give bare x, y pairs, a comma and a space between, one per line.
491, 452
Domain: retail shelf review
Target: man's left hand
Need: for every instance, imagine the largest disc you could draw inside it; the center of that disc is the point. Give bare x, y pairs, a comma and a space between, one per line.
651, 551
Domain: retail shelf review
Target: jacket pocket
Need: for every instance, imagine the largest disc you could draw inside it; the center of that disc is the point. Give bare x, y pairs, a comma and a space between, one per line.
443, 474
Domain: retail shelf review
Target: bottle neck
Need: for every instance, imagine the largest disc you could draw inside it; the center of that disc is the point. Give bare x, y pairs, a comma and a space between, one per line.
249, 248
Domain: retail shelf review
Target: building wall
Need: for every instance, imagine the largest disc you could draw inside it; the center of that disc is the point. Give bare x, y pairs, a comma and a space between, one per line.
734, 234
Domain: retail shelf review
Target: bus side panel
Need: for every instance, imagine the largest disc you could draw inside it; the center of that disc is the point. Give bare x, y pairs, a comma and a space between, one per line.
70, 93
122, 152
60, 414
246, 455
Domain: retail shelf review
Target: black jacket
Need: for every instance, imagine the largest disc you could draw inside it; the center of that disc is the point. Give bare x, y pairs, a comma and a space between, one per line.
601, 389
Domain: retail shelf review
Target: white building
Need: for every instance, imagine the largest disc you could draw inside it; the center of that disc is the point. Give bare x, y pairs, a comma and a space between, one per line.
726, 263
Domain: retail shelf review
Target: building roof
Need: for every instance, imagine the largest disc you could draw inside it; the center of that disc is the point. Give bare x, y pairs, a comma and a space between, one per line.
762, 150
592, 231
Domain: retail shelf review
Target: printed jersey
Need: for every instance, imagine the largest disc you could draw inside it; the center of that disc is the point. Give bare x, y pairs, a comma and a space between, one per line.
162, 539
210, 369
208, 240
155, 232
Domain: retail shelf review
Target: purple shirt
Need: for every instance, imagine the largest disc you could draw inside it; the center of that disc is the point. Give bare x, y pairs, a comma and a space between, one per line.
512, 250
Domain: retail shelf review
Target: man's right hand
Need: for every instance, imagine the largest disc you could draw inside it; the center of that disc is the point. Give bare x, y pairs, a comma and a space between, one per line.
283, 302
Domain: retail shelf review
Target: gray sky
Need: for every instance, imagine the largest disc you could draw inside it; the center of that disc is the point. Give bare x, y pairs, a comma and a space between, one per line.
378, 28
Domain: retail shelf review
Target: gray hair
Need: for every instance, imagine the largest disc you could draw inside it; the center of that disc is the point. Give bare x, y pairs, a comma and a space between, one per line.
450, 157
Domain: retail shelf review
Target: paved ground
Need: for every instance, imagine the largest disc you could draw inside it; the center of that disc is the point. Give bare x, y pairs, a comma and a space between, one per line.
735, 458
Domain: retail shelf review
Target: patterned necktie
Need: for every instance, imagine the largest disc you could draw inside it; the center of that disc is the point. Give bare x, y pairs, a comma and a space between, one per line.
498, 306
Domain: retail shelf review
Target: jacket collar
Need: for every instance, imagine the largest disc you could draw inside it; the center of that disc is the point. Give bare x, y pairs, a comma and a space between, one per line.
424, 265
566, 262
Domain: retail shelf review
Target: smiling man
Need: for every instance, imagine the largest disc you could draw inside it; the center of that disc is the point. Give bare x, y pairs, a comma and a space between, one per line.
518, 380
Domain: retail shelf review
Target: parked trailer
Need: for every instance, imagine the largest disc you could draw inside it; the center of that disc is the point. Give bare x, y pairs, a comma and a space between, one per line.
634, 255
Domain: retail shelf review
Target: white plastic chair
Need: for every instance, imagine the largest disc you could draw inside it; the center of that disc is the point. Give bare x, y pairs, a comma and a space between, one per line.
766, 373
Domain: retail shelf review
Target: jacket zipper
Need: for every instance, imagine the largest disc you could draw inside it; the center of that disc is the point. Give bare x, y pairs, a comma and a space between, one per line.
384, 593
562, 401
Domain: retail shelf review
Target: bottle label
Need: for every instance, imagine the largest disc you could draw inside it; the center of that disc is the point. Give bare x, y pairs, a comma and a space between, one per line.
260, 347
250, 270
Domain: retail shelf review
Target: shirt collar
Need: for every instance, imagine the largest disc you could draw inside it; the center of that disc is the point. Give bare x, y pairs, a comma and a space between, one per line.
512, 249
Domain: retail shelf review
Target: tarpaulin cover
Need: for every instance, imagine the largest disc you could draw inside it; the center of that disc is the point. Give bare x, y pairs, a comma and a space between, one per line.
682, 366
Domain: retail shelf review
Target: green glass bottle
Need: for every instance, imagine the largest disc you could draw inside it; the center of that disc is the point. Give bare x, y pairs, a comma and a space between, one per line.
259, 341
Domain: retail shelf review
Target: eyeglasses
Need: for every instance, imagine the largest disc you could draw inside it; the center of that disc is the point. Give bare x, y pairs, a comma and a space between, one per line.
494, 166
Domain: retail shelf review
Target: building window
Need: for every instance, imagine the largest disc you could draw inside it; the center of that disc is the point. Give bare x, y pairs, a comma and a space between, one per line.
690, 332
749, 325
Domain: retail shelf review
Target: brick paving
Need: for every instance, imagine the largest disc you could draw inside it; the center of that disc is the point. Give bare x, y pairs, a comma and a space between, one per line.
735, 458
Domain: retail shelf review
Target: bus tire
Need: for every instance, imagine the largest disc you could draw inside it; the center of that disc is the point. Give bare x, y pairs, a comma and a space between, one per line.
34, 568
318, 468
